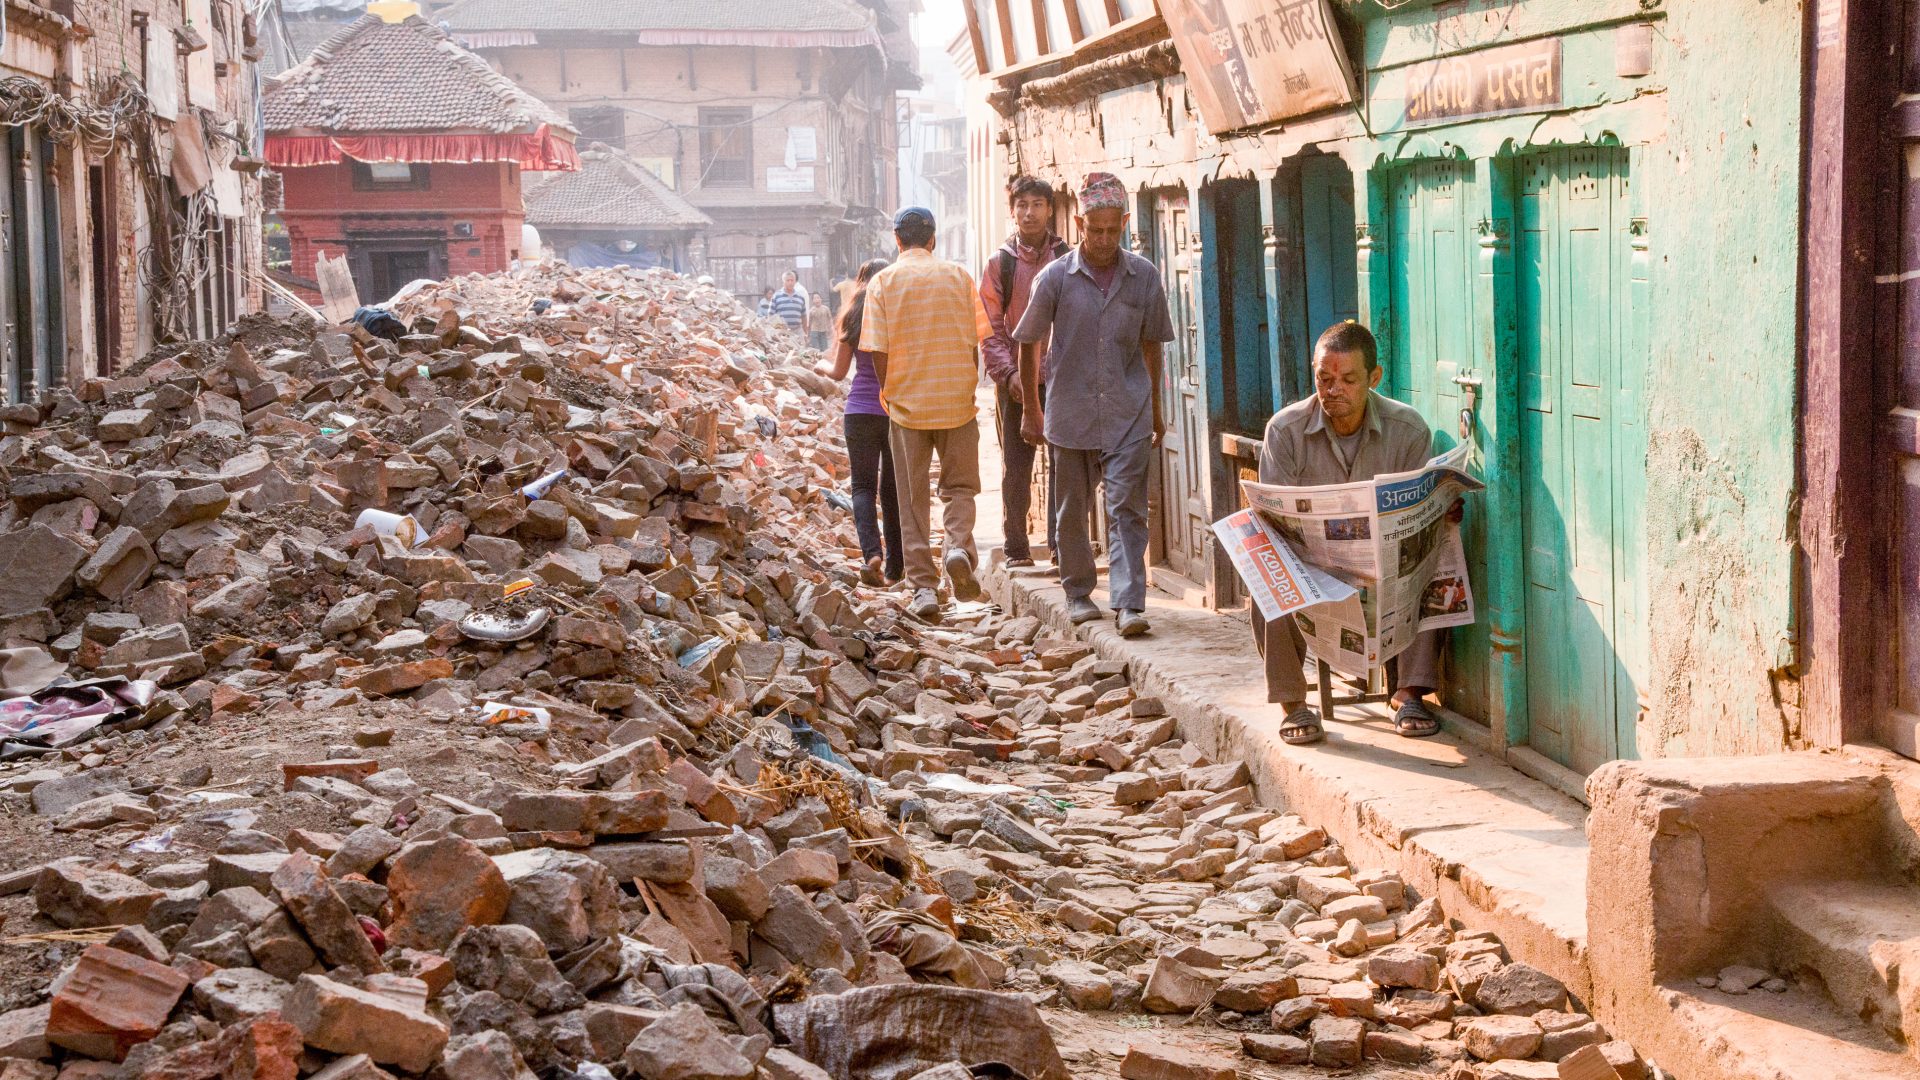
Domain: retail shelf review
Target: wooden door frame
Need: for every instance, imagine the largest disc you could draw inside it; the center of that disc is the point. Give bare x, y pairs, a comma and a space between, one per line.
1846, 620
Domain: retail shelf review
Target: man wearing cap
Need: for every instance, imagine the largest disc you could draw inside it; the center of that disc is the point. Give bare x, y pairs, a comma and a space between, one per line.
922, 326
1106, 310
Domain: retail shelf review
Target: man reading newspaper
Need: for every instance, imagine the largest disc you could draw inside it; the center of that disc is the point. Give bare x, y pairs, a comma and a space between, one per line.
1345, 432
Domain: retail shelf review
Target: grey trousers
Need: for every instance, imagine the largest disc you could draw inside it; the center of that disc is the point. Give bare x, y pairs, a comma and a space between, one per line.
1282, 647
913, 453
1124, 473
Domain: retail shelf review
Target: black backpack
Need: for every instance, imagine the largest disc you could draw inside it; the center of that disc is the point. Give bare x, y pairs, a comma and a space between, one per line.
1003, 261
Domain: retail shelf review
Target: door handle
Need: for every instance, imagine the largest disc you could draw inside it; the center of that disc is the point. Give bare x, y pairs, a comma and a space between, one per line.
1469, 384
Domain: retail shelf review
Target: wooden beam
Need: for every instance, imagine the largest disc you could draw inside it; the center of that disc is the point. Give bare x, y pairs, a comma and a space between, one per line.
1845, 681
1008, 55
1042, 41
1114, 15
1074, 28
982, 63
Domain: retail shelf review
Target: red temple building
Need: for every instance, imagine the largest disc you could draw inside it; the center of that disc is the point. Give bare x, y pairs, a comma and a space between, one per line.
404, 151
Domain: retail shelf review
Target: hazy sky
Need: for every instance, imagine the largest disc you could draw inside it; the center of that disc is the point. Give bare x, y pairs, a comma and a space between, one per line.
933, 28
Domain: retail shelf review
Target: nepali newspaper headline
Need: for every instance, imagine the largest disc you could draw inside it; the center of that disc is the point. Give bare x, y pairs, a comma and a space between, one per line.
1362, 567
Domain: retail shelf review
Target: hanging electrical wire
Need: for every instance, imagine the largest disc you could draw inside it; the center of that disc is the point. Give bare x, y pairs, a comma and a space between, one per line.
119, 106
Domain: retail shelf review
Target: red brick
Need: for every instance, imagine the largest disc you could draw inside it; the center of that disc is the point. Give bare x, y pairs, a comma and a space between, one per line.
330, 924
440, 888
337, 1017
262, 1048
397, 678
1145, 1061
111, 1002
352, 770
703, 794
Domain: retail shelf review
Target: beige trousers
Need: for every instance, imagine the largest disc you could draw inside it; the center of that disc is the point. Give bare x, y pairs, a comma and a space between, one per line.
1283, 648
913, 454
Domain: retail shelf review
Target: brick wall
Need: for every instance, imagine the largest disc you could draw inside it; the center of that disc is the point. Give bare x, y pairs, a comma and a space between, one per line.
662, 89
324, 212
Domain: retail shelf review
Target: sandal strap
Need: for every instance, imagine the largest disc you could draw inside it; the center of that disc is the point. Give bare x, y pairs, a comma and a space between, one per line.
1302, 717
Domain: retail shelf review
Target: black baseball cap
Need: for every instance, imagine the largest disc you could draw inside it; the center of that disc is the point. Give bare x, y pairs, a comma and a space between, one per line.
910, 213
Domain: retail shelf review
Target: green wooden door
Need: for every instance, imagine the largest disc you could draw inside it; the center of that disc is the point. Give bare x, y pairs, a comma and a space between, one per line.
1431, 253
1184, 521
1573, 264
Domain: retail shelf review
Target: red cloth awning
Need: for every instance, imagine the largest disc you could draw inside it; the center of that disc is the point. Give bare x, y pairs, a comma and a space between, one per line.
541, 151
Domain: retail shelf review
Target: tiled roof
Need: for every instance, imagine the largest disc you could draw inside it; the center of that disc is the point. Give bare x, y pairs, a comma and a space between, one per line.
610, 191
407, 76
629, 16
302, 37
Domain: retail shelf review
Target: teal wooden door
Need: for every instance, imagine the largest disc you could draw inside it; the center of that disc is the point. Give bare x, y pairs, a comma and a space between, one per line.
1326, 234
1184, 522
1573, 264
1430, 340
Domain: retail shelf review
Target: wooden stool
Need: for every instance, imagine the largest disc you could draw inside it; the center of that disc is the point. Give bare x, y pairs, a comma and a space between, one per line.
1374, 691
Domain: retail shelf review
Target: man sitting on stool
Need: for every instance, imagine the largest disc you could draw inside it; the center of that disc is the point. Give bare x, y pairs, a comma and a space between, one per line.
1343, 433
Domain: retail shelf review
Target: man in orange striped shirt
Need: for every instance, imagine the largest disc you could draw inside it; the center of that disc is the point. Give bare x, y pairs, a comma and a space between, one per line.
923, 325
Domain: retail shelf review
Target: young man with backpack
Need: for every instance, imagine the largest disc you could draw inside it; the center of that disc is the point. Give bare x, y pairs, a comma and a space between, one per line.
1006, 283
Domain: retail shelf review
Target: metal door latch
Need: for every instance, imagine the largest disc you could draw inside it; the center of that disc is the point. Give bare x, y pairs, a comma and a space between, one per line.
1469, 384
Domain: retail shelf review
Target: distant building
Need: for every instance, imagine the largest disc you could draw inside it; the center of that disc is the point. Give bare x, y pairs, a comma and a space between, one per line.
405, 151
775, 120
615, 212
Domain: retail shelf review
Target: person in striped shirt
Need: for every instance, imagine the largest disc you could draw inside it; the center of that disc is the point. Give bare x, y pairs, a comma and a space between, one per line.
790, 304
923, 325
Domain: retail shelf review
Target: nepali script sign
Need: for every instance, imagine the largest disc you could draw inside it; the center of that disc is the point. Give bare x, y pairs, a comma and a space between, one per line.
1253, 62
1491, 82
1361, 567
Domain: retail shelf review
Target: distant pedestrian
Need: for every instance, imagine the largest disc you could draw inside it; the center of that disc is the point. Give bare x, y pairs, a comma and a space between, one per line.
1106, 312
922, 324
1006, 282
868, 453
766, 303
819, 323
790, 304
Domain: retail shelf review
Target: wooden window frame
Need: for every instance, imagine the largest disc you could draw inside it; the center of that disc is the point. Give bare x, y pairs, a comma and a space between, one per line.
726, 127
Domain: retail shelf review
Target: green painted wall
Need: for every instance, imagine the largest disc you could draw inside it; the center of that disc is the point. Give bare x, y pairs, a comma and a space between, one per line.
1723, 190
1713, 132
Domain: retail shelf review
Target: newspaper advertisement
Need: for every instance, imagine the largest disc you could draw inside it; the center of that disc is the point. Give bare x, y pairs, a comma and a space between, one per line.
1361, 567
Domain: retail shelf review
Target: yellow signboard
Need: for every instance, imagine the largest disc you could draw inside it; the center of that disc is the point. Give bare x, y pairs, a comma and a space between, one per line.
1254, 62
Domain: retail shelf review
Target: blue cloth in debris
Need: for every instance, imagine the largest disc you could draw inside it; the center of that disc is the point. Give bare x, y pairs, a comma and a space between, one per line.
380, 322
588, 255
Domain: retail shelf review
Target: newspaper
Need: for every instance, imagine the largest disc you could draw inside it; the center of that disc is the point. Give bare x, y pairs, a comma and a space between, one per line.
1361, 567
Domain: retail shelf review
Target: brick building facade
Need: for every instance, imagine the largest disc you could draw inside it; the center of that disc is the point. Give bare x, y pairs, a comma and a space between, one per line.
405, 153
133, 207
778, 122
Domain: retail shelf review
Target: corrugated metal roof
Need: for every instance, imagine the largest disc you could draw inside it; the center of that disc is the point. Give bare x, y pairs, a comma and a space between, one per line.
405, 76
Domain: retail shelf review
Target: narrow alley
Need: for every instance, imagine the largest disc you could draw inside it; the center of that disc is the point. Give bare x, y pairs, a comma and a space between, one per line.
960, 540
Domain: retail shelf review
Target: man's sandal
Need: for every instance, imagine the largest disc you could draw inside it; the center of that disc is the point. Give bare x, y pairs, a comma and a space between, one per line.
1415, 721
1301, 727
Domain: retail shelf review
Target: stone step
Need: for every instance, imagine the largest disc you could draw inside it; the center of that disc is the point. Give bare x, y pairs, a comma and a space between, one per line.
1858, 936
1790, 1036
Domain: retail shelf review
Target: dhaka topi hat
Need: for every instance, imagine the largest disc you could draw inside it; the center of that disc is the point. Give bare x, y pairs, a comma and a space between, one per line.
1102, 191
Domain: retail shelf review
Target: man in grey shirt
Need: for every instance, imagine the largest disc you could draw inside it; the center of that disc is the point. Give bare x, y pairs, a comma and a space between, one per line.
1343, 433
1106, 310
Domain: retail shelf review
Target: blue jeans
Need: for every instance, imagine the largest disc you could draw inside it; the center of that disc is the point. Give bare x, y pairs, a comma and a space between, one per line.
1123, 473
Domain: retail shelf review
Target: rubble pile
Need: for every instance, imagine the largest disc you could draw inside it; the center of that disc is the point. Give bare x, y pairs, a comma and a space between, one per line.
618, 773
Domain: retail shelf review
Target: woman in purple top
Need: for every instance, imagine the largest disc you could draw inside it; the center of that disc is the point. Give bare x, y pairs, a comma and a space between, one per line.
867, 450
